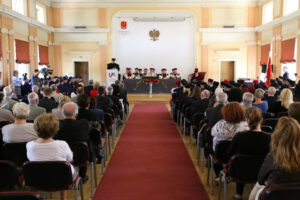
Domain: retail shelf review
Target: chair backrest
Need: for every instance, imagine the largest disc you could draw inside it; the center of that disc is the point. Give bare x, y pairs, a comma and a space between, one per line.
15, 152
80, 153
279, 192
270, 122
197, 117
245, 168
221, 151
281, 114
267, 129
8, 175
48, 175
20, 195
4, 123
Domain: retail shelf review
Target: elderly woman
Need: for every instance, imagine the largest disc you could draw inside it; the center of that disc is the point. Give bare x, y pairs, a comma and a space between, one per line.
47, 149
262, 105
59, 111
284, 101
20, 131
282, 164
252, 142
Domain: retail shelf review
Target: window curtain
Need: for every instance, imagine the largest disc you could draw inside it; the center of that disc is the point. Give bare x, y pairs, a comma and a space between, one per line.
43, 54
264, 54
287, 51
22, 52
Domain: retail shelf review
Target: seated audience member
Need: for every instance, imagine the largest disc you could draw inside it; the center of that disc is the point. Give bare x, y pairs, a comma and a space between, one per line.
47, 101
57, 96
117, 105
47, 149
72, 130
94, 92
201, 105
103, 102
294, 111
282, 164
84, 112
89, 87
97, 111
234, 121
36, 89
235, 94
252, 142
271, 98
8, 102
59, 111
19, 131
214, 114
5, 115
35, 110
284, 101
79, 91
262, 105
247, 99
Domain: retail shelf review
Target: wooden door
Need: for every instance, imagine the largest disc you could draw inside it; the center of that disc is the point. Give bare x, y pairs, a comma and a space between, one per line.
82, 69
227, 70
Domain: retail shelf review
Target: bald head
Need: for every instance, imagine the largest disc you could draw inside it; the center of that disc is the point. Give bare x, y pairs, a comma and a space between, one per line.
70, 110
205, 94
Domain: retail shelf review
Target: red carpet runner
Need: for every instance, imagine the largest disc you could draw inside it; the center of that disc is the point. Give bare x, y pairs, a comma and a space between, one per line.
150, 161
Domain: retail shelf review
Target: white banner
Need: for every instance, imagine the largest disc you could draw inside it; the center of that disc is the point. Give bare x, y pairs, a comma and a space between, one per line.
112, 76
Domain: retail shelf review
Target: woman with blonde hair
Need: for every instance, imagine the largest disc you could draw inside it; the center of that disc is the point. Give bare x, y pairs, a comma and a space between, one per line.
94, 91
282, 164
284, 101
59, 111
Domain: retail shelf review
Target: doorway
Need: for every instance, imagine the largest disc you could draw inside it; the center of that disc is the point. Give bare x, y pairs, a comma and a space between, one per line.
227, 70
82, 69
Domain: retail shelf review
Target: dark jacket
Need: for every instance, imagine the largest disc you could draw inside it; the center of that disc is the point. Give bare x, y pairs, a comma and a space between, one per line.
277, 108
48, 104
214, 114
200, 106
86, 114
271, 102
104, 102
273, 175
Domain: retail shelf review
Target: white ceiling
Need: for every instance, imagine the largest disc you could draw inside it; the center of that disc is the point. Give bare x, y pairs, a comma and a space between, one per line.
102, 3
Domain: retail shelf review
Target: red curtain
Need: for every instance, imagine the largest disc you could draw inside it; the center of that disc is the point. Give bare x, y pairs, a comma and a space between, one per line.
287, 51
264, 54
43, 52
22, 52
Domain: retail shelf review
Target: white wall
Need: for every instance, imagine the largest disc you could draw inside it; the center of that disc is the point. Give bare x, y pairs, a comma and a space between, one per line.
174, 48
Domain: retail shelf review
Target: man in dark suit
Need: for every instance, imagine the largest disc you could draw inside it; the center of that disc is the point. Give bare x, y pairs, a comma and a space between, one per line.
83, 102
271, 98
47, 102
201, 105
103, 102
113, 65
214, 114
89, 87
72, 130
285, 73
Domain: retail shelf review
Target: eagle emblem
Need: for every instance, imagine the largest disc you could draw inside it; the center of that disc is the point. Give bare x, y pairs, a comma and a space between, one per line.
154, 34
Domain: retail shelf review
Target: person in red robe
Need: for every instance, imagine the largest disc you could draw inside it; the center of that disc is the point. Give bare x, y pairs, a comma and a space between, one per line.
197, 76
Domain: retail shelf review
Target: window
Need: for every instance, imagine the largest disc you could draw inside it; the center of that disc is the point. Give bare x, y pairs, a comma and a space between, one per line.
19, 6
41, 13
40, 67
291, 67
290, 6
267, 13
21, 67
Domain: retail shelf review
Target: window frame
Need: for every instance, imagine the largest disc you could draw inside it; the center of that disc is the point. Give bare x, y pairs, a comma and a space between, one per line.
43, 7
15, 2
287, 12
265, 19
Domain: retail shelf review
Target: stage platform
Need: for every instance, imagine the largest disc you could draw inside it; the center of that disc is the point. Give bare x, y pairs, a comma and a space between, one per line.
146, 99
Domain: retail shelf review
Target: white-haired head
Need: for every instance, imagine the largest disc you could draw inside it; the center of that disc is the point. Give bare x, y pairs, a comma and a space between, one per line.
7, 91
33, 98
70, 110
21, 111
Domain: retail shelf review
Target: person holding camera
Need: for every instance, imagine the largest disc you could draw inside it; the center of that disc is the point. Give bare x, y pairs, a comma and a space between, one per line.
35, 80
16, 83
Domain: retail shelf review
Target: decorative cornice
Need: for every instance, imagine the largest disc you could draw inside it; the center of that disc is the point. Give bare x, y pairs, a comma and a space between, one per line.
31, 38
13, 14
4, 30
226, 30
80, 53
81, 30
103, 43
251, 42
236, 52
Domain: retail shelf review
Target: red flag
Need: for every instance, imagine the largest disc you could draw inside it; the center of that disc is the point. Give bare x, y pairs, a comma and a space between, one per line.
269, 73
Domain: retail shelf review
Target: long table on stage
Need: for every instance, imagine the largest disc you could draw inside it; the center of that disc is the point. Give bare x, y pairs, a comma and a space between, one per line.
138, 86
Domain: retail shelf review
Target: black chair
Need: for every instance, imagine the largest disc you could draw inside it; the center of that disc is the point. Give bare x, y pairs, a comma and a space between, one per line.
9, 175
219, 157
81, 156
267, 129
4, 123
279, 192
15, 152
268, 115
20, 196
270, 122
50, 176
241, 169
281, 114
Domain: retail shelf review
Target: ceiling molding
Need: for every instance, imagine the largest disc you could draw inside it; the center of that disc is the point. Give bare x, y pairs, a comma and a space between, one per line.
80, 53
226, 30
147, 3
82, 30
15, 15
